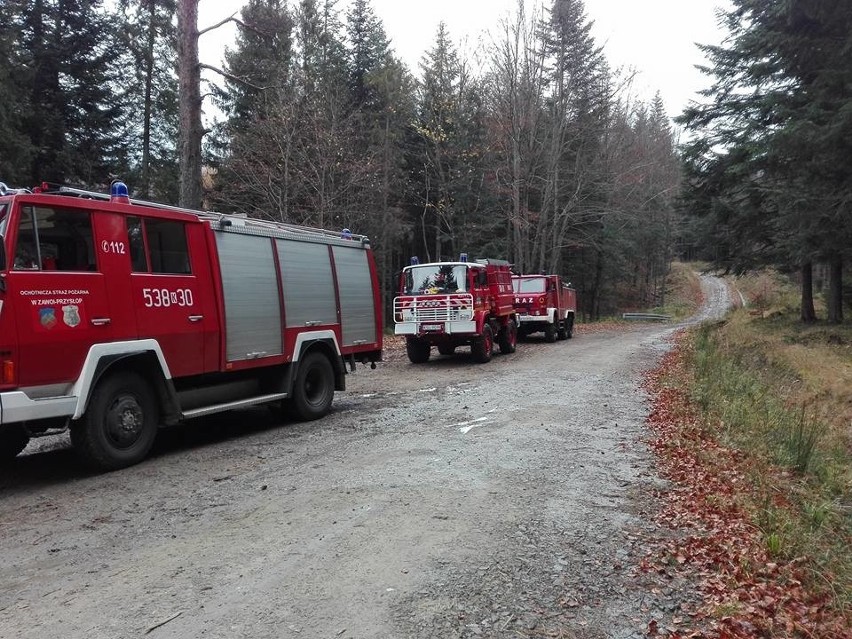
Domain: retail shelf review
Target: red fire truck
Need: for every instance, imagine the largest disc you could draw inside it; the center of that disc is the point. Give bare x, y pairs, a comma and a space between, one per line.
118, 316
450, 304
544, 303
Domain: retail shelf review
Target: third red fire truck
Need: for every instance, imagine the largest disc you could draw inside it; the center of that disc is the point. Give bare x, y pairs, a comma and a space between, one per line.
119, 316
450, 304
544, 303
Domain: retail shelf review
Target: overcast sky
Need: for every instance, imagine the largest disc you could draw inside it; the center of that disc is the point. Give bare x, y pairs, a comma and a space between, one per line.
655, 37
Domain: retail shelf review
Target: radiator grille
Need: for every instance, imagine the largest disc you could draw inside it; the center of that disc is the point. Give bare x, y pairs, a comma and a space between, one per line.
433, 308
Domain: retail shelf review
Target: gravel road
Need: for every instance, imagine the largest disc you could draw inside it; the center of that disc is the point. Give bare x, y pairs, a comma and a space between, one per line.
443, 500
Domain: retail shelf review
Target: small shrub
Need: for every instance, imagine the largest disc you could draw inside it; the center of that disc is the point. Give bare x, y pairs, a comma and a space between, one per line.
773, 544
802, 439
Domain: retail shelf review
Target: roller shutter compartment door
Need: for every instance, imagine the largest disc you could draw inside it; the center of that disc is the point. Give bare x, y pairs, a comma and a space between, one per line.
355, 288
250, 288
308, 284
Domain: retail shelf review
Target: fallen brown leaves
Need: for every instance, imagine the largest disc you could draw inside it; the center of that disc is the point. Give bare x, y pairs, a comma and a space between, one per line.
602, 327
745, 593
393, 349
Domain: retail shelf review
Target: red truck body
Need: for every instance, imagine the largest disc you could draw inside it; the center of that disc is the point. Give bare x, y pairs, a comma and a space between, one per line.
117, 317
544, 303
451, 304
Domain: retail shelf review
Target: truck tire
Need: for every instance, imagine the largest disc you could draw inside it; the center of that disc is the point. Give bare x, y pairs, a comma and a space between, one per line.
562, 329
509, 338
446, 349
120, 423
483, 346
569, 327
313, 390
13, 439
550, 333
418, 350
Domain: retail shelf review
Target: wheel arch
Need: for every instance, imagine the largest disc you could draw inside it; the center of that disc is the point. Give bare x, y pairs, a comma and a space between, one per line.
144, 358
329, 348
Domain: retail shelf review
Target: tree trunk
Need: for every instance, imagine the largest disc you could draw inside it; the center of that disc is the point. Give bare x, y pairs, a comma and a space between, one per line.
808, 313
189, 76
835, 289
596, 286
145, 190
387, 254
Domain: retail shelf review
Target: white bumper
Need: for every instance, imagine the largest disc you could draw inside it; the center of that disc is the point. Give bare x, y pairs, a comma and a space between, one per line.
449, 328
538, 319
17, 406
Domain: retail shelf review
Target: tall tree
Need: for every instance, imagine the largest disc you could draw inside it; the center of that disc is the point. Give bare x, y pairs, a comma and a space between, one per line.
255, 173
16, 149
151, 41
516, 128
771, 146
380, 91
259, 65
572, 197
368, 53
191, 129
68, 56
450, 134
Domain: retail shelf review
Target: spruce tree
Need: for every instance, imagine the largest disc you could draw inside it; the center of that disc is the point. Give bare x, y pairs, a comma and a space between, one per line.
259, 99
768, 166
69, 54
16, 149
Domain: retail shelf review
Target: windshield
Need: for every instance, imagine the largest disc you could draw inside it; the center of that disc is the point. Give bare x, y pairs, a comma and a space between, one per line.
436, 278
529, 285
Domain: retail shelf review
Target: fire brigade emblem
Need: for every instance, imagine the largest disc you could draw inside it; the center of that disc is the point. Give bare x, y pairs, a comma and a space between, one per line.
71, 315
47, 317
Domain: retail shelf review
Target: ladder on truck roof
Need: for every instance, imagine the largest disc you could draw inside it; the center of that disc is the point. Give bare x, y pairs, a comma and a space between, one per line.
237, 222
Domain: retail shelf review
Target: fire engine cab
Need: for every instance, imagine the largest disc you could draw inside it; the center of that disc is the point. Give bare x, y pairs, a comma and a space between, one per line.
449, 304
118, 316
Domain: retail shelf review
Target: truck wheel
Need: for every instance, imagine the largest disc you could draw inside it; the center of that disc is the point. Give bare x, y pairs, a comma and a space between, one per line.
483, 346
569, 327
418, 350
509, 338
313, 390
550, 333
446, 349
562, 329
120, 424
13, 439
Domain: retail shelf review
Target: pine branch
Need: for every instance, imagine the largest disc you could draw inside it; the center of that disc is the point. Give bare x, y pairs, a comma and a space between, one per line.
231, 76
230, 18
235, 20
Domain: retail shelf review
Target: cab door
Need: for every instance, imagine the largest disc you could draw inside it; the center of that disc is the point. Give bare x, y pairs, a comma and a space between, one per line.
113, 249
57, 291
171, 289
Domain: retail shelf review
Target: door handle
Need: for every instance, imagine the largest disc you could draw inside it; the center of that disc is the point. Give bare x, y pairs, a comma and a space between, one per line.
101, 321
196, 318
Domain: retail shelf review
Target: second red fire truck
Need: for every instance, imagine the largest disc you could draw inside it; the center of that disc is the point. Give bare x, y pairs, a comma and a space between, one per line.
452, 304
546, 304
117, 317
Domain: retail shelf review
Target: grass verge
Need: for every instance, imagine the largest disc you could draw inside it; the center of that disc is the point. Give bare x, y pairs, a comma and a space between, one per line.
793, 426
777, 397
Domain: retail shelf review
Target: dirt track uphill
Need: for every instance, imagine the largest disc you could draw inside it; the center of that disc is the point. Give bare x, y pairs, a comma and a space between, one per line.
444, 500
